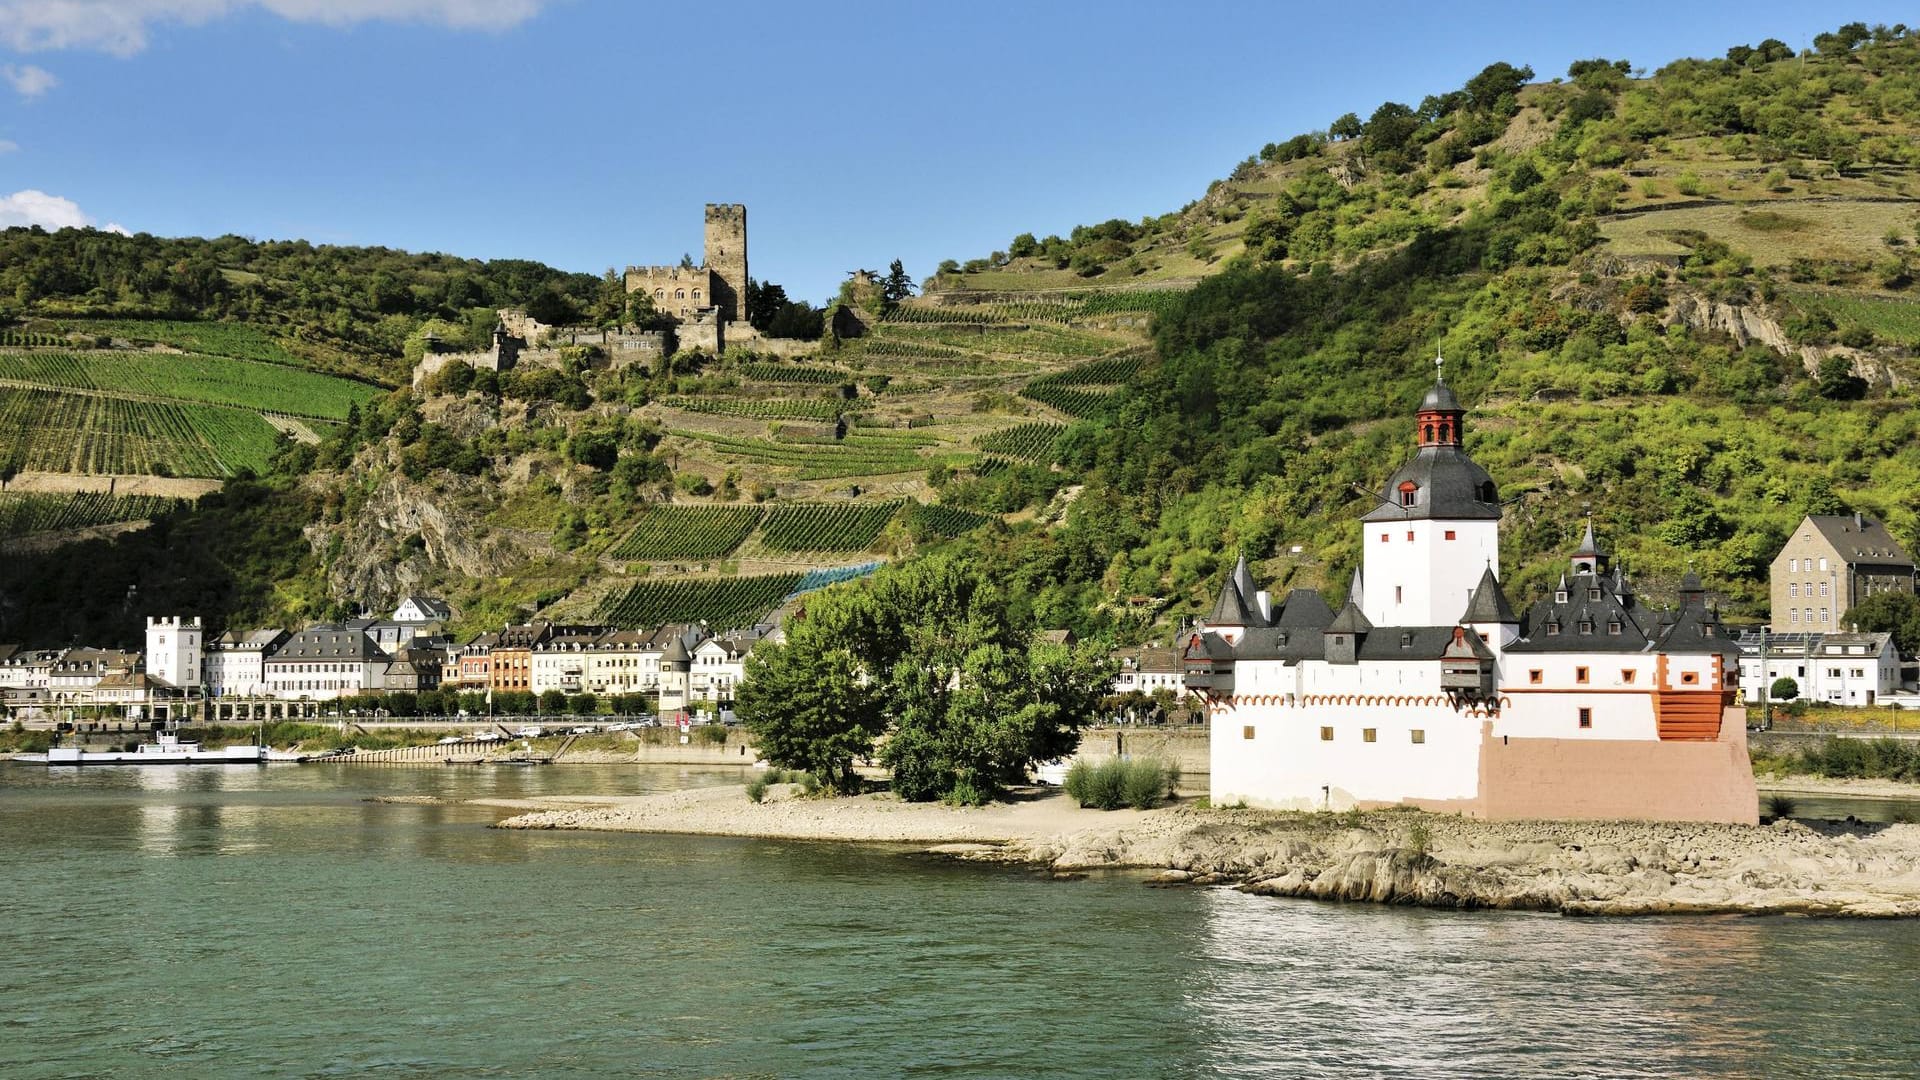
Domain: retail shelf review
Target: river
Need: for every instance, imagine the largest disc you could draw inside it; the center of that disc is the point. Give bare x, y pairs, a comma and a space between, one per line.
216, 922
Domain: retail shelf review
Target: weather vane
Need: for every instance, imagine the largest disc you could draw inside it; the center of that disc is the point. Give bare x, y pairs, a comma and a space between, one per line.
1438, 375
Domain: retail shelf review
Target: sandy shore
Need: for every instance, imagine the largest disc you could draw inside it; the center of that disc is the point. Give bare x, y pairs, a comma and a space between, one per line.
1577, 868
1825, 785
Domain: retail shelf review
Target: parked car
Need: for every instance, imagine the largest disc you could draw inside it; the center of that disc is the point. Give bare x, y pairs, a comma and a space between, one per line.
583, 729
451, 739
530, 732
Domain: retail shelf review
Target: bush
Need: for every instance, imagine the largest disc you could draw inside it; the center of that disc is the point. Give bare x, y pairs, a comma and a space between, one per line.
1781, 806
1139, 783
713, 734
757, 789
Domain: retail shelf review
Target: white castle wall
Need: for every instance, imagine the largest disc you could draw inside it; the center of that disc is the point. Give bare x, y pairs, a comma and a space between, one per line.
1426, 580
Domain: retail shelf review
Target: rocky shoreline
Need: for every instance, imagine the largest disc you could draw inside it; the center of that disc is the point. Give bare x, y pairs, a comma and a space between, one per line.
1859, 870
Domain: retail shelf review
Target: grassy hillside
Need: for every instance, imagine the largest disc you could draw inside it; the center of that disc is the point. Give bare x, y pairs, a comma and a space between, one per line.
1681, 301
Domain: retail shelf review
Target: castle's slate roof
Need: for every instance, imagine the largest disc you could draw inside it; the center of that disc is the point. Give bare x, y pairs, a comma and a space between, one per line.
1589, 547
1349, 621
1304, 609
1489, 602
1859, 538
1593, 618
1440, 399
1231, 608
1696, 629
1446, 484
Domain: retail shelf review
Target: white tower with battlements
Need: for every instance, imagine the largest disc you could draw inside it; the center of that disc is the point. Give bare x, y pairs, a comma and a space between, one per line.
174, 651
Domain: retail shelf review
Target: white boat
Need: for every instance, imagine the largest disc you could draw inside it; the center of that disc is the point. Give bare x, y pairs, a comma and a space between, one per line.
167, 750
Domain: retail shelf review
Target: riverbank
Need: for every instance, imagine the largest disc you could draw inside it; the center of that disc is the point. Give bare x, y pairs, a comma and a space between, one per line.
1868, 788
1393, 857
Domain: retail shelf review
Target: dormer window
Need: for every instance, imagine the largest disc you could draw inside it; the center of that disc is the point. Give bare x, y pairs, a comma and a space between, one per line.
1560, 596
1613, 627
1593, 594
1407, 493
1406, 640
1586, 626
1553, 628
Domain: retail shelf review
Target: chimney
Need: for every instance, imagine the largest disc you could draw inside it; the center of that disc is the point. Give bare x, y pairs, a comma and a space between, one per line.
1859, 522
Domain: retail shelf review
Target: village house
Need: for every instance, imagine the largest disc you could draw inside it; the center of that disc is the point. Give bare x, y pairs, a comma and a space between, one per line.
560, 662
324, 662
72, 678
1830, 563
1425, 688
623, 662
1839, 669
719, 665
236, 662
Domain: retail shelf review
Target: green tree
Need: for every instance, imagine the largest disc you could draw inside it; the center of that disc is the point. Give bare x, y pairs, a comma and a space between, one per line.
1897, 613
553, 702
896, 286
1784, 689
806, 700
1837, 382
1347, 126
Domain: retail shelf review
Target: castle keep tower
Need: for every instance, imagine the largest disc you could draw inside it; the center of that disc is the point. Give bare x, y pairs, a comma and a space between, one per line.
726, 257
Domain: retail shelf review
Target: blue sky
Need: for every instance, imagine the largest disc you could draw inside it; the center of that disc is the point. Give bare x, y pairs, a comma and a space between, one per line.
588, 133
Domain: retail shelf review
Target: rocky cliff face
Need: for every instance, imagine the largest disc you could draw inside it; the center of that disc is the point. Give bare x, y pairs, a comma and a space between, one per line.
408, 537
1759, 324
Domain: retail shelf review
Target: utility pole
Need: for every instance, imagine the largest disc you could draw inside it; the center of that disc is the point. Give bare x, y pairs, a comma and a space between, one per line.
1766, 685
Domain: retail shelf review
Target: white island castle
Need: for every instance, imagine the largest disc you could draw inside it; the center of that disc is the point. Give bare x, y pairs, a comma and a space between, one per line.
1427, 690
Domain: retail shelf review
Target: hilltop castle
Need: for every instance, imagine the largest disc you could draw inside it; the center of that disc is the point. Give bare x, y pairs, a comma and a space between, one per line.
1425, 688
719, 283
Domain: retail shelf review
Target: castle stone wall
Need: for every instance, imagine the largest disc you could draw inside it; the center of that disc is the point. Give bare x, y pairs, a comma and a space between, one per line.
726, 258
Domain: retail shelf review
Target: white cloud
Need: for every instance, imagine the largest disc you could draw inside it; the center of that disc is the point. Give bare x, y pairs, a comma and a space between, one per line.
32, 207
29, 81
8, 146
120, 26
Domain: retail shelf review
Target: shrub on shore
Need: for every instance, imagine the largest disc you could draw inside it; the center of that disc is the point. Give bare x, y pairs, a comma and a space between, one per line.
1781, 806
1139, 782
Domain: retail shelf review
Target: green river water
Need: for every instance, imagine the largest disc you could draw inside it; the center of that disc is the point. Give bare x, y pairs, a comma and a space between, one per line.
249, 922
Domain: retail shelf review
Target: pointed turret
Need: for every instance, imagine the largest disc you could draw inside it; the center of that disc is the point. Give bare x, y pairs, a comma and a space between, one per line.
1488, 604
1231, 608
1692, 592
1587, 557
1356, 589
1342, 636
1243, 580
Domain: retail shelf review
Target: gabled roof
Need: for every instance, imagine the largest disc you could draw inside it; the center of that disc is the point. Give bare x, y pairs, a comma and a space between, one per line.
1589, 546
1859, 538
328, 641
1489, 602
1304, 609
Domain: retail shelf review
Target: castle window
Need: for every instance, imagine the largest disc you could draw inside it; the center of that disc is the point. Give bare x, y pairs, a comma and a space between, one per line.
1247, 732
1586, 626
1553, 629
1586, 718
1406, 640
1407, 493
1383, 538
1396, 596
1369, 735
679, 294
1534, 677
1326, 734
1419, 735
1689, 678
1560, 596
1429, 432
1593, 594
1450, 534
696, 294
659, 294
1613, 627
1580, 675
1409, 536
1627, 674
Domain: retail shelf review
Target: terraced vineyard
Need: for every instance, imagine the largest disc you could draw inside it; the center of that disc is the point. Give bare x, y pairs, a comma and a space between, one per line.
30, 339
725, 603
826, 526
58, 432
1029, 442
944, 521
796, 373
823, 409
214, 338
688, 532
826, 459
1083, 391
25, 513
216, 380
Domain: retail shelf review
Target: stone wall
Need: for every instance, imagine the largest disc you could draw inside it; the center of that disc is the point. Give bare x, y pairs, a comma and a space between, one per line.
676, 290
1641, 780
